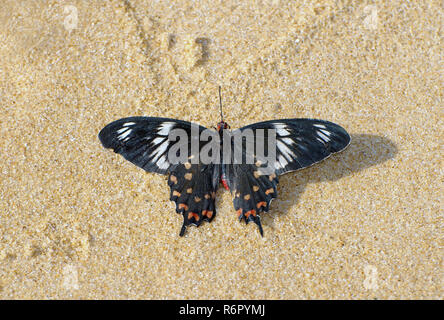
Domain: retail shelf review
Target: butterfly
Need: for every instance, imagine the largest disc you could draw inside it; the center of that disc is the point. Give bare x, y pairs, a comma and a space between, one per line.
298, 143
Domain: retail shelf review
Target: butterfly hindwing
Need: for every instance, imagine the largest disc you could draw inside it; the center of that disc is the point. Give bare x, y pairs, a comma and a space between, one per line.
253, 191
193, 189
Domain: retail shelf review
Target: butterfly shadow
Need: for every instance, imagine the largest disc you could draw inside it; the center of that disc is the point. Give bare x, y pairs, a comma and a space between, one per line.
364, 151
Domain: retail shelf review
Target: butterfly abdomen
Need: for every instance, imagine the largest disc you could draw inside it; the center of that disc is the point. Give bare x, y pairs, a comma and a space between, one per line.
224, 181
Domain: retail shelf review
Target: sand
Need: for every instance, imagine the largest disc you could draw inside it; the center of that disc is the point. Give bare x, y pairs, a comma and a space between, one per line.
78, 221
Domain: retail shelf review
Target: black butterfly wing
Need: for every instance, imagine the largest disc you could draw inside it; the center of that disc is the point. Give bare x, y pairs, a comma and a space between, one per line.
193, 189
252, 189
144, 141
299, 143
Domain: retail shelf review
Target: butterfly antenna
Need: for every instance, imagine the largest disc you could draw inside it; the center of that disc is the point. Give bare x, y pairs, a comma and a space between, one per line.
220, 103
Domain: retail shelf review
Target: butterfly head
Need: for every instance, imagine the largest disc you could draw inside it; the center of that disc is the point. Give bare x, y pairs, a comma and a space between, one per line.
222, 125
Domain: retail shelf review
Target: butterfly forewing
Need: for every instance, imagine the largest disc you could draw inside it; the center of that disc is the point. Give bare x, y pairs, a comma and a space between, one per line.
303, 142
144, 140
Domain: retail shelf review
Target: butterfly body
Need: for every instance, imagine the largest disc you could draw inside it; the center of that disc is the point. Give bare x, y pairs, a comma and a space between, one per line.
224, 181
193, 182
221, 126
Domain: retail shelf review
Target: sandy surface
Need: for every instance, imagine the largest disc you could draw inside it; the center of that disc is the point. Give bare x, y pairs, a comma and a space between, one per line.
78, 221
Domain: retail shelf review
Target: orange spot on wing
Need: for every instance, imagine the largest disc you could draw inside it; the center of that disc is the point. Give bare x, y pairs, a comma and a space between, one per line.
252, 212
261, 204
207, 213
268, 191
183, 206
193, 215
188, 176
239, 212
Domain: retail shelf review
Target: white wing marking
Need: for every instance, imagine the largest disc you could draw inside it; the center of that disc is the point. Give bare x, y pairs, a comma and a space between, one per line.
158, 140
160, 150
281, 129
124, 135
282, 161
162, 163
165, 128
288, 141
288, 154
323, 136
122, 130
